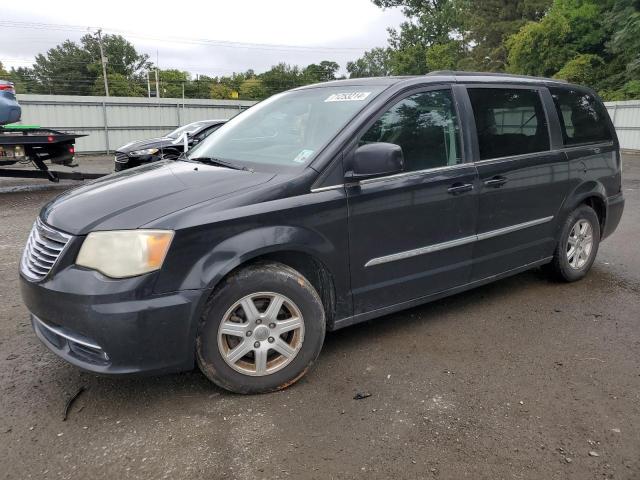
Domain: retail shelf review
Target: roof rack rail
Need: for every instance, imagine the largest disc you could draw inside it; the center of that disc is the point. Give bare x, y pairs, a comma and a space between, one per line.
458, 73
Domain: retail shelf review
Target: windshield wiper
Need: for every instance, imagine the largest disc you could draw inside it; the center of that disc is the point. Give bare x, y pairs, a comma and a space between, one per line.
217, 162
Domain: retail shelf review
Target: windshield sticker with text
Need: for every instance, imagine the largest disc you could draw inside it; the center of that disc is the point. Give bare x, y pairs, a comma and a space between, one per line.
303, 156
348, 97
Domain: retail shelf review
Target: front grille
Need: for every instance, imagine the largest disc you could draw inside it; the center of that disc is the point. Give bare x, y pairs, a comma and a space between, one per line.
122, 157
42, 250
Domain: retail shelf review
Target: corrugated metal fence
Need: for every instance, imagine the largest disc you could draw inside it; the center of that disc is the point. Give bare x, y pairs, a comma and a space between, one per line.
110, 122
626, 118
113, 121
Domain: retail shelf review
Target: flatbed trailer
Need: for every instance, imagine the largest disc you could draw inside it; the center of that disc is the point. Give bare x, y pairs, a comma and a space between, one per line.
34, 144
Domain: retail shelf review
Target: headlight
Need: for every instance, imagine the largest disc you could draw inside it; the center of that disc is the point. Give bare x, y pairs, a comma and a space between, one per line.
125, 253
146, 151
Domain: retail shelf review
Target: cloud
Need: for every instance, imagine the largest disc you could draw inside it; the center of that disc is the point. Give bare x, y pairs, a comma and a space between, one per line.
303, 32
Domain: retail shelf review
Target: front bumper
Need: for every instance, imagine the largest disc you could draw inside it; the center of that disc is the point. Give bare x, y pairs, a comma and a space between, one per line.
119, 331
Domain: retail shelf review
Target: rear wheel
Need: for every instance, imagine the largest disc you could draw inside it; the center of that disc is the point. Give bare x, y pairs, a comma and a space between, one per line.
262, 329
578, 245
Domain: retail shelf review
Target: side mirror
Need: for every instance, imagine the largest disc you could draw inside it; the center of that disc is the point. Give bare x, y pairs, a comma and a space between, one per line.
376, 159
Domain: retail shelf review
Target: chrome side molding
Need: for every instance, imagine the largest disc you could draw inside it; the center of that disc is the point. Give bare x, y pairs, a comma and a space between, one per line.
455, 243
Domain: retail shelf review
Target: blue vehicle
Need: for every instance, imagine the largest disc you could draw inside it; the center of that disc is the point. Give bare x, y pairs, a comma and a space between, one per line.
10, 111
32, 144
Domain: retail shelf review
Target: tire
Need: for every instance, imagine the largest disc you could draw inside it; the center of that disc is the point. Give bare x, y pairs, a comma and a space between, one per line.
252, 351
565, 266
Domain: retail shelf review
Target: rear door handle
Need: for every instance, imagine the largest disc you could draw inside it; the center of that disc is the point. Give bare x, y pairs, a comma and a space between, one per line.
495, 182
458, 188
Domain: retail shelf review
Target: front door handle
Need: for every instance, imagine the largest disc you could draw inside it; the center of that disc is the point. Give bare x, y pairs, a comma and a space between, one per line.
495, 182
458, 188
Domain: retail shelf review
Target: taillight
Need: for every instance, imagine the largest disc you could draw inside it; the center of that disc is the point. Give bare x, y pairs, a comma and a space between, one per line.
7, 87
72, 150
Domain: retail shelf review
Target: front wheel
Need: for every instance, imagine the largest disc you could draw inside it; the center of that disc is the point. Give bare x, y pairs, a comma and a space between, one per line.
262, 329
578, 245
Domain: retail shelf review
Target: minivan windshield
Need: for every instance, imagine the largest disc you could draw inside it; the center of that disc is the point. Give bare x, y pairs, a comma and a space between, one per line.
286, 131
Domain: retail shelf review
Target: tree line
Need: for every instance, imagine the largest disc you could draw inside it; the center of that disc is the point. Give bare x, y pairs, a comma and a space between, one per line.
76, 69
591, 42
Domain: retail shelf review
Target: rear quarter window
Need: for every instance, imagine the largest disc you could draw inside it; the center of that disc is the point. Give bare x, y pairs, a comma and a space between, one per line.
583, 118
509, 121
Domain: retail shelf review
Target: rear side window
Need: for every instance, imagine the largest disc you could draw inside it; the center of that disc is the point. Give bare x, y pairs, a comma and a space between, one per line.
425, 125
509, 122
582, 117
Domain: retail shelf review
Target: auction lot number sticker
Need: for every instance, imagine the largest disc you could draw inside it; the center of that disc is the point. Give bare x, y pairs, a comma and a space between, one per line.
348, 97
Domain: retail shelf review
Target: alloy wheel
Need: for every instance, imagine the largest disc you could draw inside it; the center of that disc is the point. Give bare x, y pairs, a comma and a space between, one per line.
579, 244
261, 333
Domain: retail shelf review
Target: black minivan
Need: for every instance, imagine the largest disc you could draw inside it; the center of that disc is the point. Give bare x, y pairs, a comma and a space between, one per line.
319, 208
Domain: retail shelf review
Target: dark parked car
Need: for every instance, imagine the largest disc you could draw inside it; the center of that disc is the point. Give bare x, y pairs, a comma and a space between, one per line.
9, 108
168, 147
316, 209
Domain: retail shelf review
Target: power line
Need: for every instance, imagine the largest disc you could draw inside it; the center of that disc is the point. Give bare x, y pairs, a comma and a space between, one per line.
24, 61
176, 39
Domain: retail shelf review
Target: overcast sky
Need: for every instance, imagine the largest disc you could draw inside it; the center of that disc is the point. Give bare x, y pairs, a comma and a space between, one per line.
305, 31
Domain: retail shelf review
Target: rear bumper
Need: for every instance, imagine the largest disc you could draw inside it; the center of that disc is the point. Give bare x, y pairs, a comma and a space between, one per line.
615, 207
115, 333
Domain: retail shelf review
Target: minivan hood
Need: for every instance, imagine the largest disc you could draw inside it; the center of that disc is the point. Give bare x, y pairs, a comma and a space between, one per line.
131, 198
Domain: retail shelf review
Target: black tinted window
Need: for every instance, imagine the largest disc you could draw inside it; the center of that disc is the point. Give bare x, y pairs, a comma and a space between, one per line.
425, 126
582, 118
509, 121
206, 132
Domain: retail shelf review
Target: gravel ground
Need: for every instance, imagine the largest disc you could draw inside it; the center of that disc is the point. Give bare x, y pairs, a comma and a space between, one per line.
521, 379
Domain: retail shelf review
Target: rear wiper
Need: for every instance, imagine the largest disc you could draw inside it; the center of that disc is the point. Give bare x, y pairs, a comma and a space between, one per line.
218, 162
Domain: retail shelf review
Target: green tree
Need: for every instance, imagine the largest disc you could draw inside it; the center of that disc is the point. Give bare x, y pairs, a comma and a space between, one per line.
121, 55
252, 89
281, 77
570, 28
24, 80
172, 82
374, 63
432, 35
220, 91
120, 86
622, 76
490, 22
586, 69
624, 22
65, 69
73, 69
429, 23
323, 72
444, 56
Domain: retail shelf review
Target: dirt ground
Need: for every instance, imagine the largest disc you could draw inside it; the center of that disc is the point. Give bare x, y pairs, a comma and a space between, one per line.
521, 379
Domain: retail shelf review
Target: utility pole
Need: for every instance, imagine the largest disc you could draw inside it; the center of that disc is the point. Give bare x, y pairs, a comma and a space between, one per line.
157, 85
104, 64
157, 82
183, 99
148, 85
